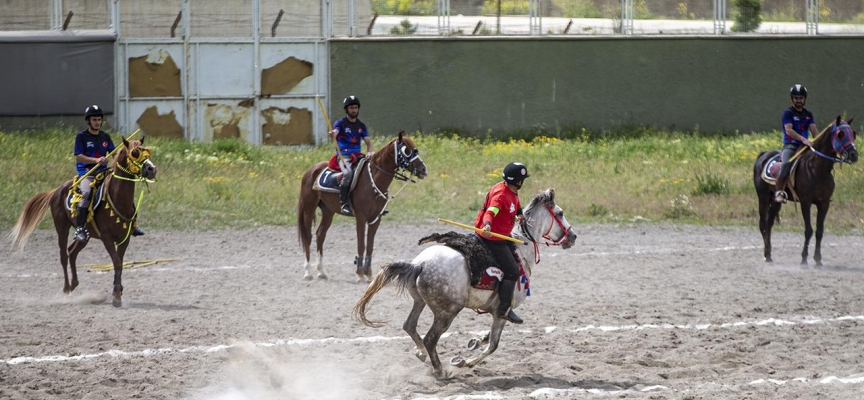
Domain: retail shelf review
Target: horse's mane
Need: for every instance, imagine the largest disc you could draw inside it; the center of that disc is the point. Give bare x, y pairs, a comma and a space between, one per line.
545, 197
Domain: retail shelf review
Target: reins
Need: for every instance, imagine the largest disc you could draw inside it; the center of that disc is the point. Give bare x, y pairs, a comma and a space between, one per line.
524, 227
135, 178
396, 174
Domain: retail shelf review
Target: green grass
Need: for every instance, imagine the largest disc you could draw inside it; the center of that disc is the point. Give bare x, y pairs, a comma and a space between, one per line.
652, 176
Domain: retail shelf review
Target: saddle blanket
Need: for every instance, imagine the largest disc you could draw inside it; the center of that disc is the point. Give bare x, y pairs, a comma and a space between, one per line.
326, 181
97, 198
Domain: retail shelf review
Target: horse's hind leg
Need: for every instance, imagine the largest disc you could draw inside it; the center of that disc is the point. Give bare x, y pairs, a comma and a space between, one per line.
767, 213
440, 324
320, 235
370, 246
361, 248
410, 326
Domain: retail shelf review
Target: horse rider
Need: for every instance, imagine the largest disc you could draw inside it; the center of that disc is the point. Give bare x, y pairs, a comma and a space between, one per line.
500, 212
347, 132
797, 123
92, 147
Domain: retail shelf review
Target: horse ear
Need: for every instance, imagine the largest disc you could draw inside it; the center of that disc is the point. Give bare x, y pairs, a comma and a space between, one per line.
850, 121
125, 142
142, 141
838, 120
401, 135
551, 194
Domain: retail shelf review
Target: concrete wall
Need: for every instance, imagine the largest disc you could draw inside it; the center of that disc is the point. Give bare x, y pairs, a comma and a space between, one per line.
479, 84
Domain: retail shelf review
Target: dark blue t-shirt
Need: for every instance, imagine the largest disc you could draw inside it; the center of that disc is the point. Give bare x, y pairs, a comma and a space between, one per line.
92, 145
800, 123
350, 135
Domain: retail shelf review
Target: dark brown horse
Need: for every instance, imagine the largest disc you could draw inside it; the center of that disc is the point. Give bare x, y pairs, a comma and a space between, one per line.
811, 183
111, 219
369, 198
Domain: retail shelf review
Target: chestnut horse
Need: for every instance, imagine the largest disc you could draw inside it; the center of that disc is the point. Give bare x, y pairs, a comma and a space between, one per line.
811, 183
369, 198
439, 278
111, 219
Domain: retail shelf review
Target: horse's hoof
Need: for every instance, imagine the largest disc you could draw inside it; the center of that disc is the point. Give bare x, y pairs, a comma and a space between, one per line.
307, 277
769, 260
116, 302
473, 344
360, 278
457, 361
321, 276
420, 356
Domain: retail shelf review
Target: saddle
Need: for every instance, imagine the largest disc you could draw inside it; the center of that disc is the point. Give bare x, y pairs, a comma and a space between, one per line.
327, 180
74, 197
484, 274
771, 170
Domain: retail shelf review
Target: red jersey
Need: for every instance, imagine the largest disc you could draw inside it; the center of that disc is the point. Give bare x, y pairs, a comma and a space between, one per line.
507, 203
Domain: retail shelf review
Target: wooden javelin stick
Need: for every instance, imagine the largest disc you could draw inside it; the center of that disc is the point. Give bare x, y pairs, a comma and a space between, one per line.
80, 178
478, 230
330, 126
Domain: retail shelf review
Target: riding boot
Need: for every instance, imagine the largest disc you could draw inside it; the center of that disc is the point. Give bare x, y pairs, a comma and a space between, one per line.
780, 185
505, 296
81, 234
344, 187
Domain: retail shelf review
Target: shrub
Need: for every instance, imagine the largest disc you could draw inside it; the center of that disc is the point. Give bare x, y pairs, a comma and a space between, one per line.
747, 15
711, 184
404, 28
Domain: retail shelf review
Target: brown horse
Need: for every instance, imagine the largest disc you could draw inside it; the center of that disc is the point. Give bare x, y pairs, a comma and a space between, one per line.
369, 197
811, 183
111, 220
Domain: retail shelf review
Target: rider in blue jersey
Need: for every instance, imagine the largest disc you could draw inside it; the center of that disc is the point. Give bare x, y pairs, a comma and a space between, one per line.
348, 131
797, 123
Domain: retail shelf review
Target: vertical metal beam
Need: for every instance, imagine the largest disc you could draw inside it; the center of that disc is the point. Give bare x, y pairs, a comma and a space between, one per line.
812, 12
255, 129
187, 57
443, 17
719, 17
351, 18
56, 15
534, 22
626, 17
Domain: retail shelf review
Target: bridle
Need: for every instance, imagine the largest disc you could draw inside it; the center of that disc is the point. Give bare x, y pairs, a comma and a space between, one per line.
403, 161
135, 161
566, 229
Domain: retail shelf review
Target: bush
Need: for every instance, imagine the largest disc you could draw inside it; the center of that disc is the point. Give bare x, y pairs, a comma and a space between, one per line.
711, 184
404, 28
747, 15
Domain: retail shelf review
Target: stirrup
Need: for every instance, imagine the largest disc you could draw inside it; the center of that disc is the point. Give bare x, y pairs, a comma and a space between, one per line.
780, 197
81, 234
346, 208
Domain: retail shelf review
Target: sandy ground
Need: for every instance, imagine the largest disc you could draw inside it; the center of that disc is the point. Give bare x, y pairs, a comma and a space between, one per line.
633, 311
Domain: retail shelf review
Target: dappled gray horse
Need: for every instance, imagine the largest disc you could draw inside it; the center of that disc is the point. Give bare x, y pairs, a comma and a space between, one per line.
439, 277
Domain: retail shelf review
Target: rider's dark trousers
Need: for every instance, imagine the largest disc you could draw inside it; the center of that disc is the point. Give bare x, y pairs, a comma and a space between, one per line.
502, 251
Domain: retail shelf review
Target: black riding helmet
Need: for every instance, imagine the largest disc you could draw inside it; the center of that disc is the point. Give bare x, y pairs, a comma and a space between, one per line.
92, 111
350, 100
798, 90
515, 172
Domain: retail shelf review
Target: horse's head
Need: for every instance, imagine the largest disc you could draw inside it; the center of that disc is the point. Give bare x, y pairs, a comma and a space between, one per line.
408, 157
134, 159
546, 219
843, 140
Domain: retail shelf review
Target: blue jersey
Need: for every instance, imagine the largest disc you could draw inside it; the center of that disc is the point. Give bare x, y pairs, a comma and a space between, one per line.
800, 123
92, 145
350, 135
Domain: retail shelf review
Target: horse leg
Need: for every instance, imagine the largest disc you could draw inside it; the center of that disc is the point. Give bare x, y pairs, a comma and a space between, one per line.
62, 241
440, 324
361, 248
766, 222
72, 253
320, 235
117, 261
821, 213
370, 246
410, 326
493, 337
808, 230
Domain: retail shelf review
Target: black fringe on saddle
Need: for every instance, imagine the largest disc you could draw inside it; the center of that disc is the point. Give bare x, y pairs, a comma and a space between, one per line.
472, 248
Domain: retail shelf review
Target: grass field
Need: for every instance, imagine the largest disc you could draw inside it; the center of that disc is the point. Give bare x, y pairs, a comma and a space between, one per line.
649, 177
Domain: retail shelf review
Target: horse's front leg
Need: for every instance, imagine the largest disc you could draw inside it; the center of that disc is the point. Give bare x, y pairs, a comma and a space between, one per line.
370, 247
808, 230
361, 248
410, 326
116, 254
821, 213
72, 257
494, 337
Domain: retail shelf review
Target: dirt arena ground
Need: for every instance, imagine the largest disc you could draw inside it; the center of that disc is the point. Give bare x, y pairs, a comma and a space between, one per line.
633, 311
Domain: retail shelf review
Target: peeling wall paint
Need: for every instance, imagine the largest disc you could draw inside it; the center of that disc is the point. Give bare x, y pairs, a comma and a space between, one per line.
287, 127
282, 77
165, 125
154, 75
223, 121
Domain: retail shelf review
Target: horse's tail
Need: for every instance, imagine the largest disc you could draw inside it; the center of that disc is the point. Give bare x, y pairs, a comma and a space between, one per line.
406, 274
30, 217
